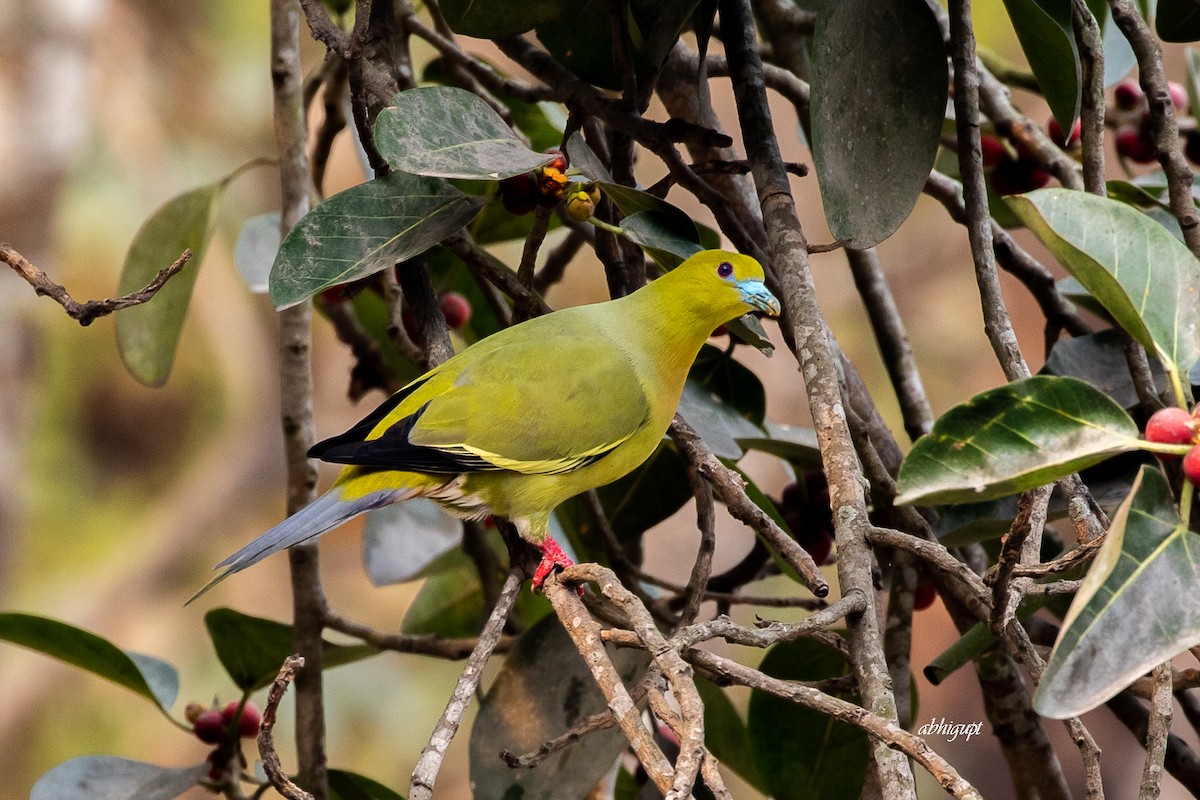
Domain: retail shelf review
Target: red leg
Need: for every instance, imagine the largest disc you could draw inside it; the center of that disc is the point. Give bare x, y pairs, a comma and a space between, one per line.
552, 556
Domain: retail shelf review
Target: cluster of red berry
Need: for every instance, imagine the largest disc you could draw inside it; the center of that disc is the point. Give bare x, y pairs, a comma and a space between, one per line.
1175, 425
1130, 114
1015, 171
218, 727
548, 186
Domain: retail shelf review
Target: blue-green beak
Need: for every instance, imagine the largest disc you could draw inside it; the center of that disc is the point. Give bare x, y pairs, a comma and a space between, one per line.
756, 294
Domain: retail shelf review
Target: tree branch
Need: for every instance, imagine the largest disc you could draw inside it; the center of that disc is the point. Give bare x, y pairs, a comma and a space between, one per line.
86, 313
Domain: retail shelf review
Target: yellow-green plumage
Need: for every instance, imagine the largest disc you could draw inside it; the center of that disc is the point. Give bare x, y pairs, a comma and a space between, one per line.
535, 414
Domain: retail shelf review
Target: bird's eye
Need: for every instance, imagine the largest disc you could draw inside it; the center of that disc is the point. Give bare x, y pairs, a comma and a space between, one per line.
725, 269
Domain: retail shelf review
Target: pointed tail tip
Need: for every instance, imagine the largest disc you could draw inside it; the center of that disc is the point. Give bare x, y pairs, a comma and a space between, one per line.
323, 514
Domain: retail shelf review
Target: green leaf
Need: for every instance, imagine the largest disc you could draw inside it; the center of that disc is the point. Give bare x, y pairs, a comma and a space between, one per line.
547, 680
718, 423
725, 733
495, 19
344, 785
450, 602
148, 334
873, 149
1143, 276
364, 229
664, 236
112, 778
1045, 32
1135, 609
1099, 359
252, 649
152, 678
581, 37
1013, 438
648, 495
1177, 21
447, 132
800, 753
255, 251
732, 382
790, 442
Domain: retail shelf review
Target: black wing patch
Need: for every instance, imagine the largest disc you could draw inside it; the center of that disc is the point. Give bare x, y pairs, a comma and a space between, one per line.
363, 427
393, 450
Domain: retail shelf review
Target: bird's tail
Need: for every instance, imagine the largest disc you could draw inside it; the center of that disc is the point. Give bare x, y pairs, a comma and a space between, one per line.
321, 515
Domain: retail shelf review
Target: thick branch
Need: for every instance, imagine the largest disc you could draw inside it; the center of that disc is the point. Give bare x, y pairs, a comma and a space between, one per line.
788, 249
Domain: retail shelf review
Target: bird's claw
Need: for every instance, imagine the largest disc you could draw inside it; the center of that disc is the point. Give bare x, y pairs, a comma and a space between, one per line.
552, 557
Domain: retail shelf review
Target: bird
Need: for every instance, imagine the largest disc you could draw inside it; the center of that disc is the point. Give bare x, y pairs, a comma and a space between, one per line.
532, 415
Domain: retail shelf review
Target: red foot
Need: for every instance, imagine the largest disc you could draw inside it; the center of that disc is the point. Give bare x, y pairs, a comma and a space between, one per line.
552, 557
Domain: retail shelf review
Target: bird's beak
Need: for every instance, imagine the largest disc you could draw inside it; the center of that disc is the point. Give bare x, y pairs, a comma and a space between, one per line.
757, 295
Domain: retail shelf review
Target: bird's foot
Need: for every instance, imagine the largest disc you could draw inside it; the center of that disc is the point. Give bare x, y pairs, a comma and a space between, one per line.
552, 557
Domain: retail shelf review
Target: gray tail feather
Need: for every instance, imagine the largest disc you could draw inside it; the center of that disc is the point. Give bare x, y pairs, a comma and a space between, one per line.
321, 515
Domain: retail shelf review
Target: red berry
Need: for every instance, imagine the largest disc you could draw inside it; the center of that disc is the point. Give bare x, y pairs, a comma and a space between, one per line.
1017, 177
1127, 96
519, 193
1136, 146
720, 331
1171, 425
209, 726
251, 718
334, 294
1179, 96
560, 162
1191, 466
819, 545
992, 150
1056, 133
455, 308
924, 595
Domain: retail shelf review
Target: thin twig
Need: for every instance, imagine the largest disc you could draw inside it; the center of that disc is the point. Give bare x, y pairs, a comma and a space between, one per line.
1158, 728
585, 633
884, 731
424, 774
666, 659
730, 487
996, 322
266, 744
86, 313
810, 342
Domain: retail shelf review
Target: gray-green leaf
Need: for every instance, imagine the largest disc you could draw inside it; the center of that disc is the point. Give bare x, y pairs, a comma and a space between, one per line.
1012, 438
878, 98
148, 334
152, 678
1145, 278
447, 132
364, 229
1135, 609
112, 778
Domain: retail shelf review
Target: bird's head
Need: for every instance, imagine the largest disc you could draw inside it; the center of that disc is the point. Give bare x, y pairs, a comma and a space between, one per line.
729, 281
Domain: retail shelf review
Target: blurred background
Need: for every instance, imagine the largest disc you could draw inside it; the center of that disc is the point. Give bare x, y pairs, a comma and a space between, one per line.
116, 499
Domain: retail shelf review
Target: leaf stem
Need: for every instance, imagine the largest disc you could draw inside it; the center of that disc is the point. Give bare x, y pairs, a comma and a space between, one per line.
1181, 395
1185, 502
604, 226
1165, 449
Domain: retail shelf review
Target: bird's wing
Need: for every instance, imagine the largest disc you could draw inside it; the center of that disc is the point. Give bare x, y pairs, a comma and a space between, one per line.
533, 405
